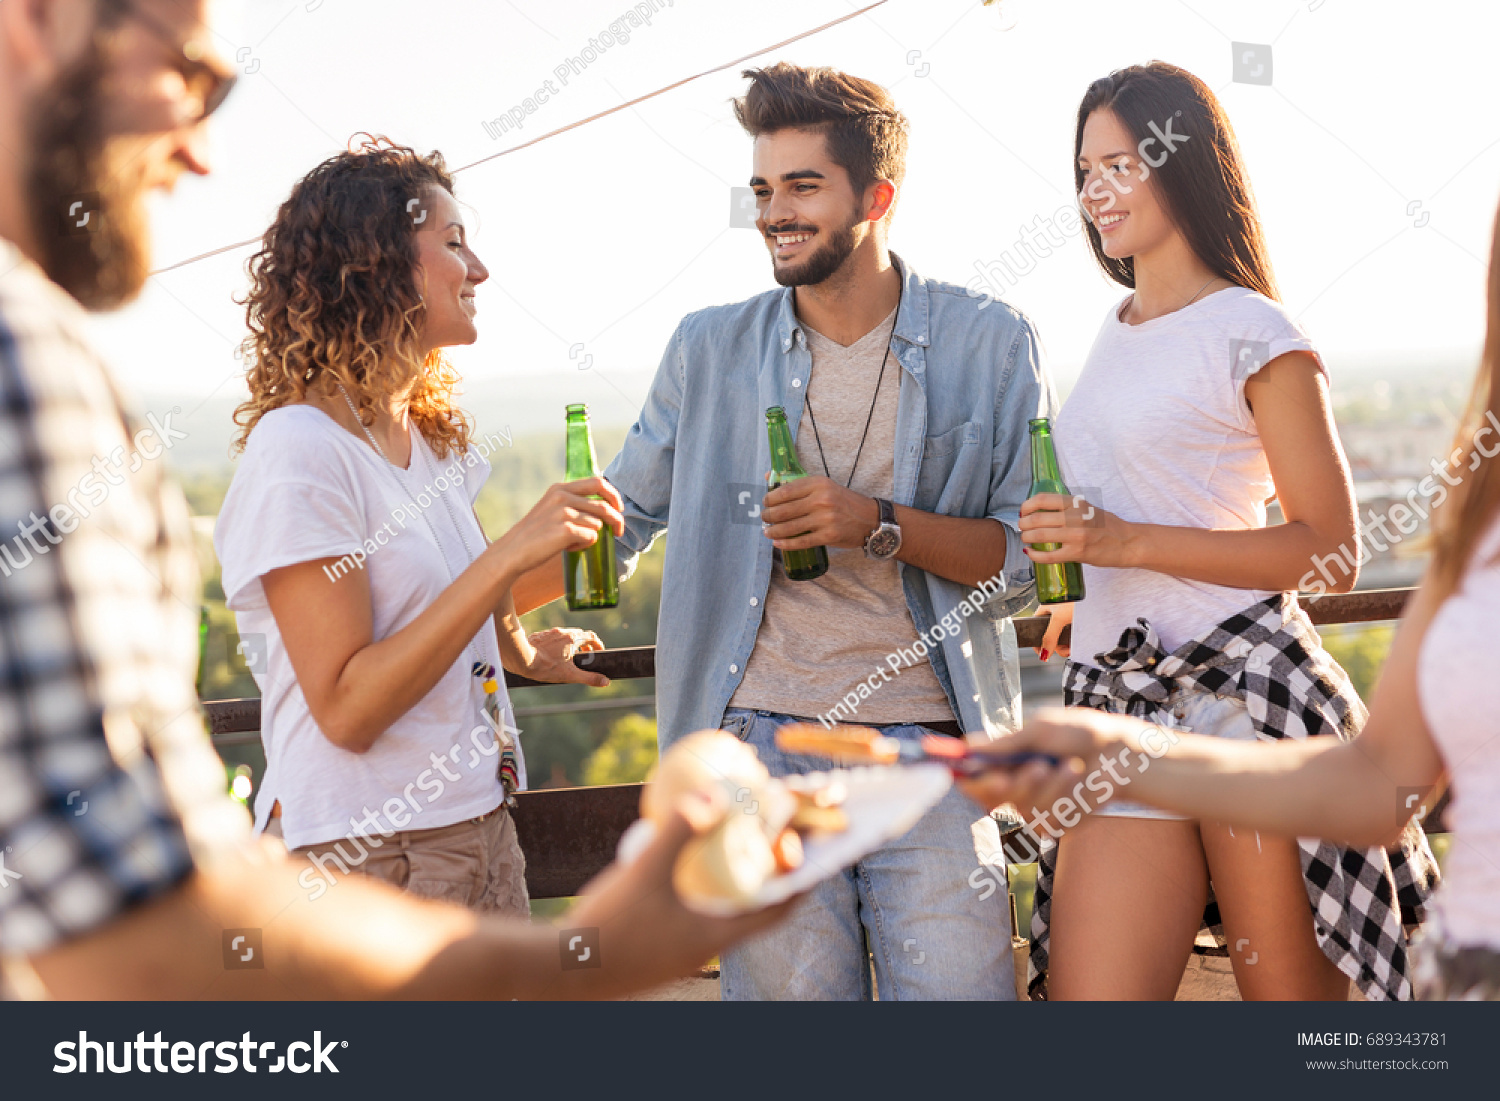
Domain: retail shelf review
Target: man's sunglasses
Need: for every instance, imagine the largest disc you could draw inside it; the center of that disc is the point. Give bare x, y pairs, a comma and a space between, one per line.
206, 84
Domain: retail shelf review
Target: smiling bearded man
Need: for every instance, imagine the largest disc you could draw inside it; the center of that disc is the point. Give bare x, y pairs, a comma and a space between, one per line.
912, 401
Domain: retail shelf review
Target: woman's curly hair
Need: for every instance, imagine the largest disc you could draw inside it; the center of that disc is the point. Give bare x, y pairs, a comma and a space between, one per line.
334, 295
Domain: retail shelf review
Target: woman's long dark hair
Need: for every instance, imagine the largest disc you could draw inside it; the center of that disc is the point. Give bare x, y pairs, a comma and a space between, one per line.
1202, 184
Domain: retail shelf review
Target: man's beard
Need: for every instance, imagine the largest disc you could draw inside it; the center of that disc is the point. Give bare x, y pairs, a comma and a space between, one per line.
73, 179
824, 261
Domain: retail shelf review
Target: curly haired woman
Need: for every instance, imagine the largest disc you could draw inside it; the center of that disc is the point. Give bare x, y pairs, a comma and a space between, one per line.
348, 540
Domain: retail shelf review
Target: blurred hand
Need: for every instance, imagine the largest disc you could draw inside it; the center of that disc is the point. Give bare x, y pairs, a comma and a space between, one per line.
647, 936
1086, 533
566, 518
817, 512
1089, 744
553, 658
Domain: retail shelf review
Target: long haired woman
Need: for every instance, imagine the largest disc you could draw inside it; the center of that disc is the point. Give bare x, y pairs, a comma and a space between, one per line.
1432, 723
1200, 401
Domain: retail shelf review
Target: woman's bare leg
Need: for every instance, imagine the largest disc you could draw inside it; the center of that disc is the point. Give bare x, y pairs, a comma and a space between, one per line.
1127, 902
1267, 920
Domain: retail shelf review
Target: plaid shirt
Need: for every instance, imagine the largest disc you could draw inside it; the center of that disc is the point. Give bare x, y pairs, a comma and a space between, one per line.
1365, 902
108, 784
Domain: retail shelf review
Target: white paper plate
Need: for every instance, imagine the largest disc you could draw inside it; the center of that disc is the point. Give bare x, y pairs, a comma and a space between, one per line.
883, 803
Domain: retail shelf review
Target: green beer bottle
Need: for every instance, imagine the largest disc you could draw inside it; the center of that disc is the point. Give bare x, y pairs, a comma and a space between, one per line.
800, 565
1056, 582
591, 577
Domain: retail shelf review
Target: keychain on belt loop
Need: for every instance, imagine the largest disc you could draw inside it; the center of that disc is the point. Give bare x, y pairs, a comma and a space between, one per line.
509, 775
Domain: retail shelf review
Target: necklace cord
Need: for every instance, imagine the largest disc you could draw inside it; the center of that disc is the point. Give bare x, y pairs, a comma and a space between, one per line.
870, 416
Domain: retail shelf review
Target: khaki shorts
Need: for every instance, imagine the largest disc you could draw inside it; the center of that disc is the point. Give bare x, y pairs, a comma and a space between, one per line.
477, 864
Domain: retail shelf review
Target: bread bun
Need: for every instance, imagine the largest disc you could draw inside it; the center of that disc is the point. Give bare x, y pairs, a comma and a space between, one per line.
733, 860
706, 762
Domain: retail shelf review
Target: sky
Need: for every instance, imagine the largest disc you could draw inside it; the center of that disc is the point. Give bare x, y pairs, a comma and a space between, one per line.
1375, 166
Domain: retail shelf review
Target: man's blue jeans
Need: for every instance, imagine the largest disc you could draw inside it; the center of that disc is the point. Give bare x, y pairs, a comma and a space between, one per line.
932, 933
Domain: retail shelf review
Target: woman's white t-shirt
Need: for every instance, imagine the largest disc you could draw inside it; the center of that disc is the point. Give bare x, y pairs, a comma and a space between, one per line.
307, 489
1157, 431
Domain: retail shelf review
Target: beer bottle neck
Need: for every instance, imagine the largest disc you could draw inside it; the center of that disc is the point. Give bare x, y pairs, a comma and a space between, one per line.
581, 460
1044, 466
783, 450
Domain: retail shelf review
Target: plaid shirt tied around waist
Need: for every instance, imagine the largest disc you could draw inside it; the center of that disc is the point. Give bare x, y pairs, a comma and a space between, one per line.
1365, 902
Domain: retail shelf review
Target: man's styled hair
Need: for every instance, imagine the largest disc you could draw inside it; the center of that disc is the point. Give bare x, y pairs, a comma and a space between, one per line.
866, 134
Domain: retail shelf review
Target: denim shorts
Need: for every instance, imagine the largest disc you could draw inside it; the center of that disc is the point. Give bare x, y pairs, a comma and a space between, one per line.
1201, 712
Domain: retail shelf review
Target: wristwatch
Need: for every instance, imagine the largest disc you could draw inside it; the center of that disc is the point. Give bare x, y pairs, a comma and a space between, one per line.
885, 540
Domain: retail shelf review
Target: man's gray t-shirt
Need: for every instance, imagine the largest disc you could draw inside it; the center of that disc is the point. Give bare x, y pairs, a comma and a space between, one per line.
819, 639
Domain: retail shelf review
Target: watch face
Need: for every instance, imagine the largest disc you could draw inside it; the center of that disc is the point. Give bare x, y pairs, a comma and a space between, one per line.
884, 542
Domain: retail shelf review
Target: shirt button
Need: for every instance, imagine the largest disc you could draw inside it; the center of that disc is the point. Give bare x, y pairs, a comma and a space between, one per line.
796, 382
754, 601
734, 668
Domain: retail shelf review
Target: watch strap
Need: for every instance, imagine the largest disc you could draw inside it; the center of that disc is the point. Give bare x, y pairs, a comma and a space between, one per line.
887, 511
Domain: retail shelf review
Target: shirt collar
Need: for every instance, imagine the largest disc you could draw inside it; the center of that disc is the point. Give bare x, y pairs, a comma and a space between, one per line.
911, 318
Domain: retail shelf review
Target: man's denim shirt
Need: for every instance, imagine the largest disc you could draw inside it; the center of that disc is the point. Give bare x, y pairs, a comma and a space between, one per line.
696, 460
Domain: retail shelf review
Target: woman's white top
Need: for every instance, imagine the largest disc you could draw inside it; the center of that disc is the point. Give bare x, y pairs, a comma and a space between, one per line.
1157, 431
307, 489
1458, 684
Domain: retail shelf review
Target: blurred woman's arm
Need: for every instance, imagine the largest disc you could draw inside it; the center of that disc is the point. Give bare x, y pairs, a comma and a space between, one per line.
367, 940
1358, 792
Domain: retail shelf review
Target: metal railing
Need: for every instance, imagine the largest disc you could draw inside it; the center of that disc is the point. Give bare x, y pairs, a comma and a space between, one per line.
570, 834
